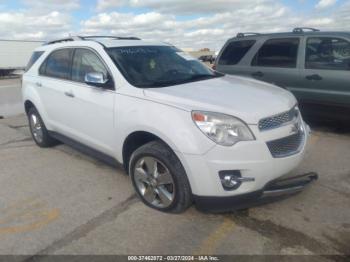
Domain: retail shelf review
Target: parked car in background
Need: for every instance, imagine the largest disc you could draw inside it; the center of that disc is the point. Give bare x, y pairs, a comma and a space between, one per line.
207, 58
313, 65
182, 131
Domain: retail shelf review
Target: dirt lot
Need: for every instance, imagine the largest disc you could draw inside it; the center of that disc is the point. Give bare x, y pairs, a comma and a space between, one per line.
59, 201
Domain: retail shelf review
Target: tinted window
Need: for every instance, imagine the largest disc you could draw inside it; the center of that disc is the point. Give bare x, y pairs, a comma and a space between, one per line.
86, 61
158, 66
235, 51
42, 68
35, 56
58, 64
327, 53
278, 53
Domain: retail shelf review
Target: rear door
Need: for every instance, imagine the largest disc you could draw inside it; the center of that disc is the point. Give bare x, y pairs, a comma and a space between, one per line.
53, 84
276, 62
326, 75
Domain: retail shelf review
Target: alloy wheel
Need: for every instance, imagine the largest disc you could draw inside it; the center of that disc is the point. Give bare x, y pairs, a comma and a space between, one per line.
36, 127
154, 182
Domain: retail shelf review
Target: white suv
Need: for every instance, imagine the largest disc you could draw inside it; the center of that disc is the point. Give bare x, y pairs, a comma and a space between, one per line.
183, 132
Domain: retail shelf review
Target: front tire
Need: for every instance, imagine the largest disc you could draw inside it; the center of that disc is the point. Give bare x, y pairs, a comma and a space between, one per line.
38, 130
159, 178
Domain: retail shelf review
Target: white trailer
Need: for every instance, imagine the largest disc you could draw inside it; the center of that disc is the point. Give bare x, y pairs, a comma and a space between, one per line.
15, 54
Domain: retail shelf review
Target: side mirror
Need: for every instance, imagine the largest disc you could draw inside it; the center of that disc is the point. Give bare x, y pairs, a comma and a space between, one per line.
96, 79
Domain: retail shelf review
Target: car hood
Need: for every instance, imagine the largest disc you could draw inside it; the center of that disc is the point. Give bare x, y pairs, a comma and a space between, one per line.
245, 98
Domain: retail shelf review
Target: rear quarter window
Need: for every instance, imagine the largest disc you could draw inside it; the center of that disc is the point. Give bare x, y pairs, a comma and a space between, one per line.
235, 51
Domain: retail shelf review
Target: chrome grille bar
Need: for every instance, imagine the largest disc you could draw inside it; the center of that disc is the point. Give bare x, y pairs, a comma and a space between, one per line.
278, 120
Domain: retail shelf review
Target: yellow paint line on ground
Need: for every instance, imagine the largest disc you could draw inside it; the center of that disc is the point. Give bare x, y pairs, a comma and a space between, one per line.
26, 215
18, 204
21, 212
210, 244
44, 218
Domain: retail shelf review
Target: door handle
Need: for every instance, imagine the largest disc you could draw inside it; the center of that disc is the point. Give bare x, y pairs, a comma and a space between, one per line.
69, 94
38, 84
258, 74
314, 77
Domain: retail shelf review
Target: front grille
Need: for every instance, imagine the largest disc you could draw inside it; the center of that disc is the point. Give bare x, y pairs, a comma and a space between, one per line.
286, 146
278, 120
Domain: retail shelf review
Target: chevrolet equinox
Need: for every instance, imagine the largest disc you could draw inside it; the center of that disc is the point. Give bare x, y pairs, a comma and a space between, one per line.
183, 132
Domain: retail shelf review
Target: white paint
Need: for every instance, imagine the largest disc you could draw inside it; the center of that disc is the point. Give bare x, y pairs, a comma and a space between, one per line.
103, 119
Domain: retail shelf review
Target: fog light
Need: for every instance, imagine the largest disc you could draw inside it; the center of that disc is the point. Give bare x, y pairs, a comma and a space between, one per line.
232, 179
229, 181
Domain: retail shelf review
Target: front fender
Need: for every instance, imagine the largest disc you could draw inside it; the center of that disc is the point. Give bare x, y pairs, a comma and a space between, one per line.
173, 125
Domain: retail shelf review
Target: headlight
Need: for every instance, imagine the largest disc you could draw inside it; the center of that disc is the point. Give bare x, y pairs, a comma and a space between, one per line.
223, 129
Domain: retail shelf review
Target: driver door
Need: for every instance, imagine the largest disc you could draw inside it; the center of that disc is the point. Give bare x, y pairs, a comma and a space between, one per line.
92, 108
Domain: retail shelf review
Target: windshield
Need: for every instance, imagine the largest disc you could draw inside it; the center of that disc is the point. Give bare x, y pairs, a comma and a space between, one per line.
158, 66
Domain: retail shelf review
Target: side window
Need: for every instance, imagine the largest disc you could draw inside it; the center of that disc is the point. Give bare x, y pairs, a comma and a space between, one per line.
85, 61
58, 64
327, 53
35, 56
278, 53
235, 51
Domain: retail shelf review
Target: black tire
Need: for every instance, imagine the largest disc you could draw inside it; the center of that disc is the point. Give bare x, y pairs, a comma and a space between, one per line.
46, 140
162, 153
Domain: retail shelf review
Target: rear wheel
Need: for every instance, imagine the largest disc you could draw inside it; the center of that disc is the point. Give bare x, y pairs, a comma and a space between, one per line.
38, 130
159, 178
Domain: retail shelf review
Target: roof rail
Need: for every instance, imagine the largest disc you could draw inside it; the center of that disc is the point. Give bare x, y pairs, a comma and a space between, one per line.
110, 37
92, 37
66, 39
299, 30
239, 35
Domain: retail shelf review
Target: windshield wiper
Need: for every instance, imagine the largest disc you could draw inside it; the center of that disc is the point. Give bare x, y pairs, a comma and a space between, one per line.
201, 77
164, 83
156, 84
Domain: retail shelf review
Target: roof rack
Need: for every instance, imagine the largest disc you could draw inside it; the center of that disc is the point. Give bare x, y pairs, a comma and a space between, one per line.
66, 39
110, 37
299, 30
90, 37
239, 35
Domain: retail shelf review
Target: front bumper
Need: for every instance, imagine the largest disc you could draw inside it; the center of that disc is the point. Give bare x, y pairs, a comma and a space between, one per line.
252, 159
275, 190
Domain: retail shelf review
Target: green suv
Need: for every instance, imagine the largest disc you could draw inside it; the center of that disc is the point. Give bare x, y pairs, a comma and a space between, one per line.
313, 65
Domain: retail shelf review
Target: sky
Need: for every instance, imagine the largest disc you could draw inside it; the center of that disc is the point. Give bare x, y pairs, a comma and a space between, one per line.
184, 23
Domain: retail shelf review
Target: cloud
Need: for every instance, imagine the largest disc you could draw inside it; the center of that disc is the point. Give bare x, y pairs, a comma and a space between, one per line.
51, 5
218, 20
325, 3
41, 20
207, 31
23, 25
129, 21
211, 25
183, 6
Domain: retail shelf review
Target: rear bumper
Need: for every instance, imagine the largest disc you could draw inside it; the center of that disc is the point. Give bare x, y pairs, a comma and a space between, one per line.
273, 191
